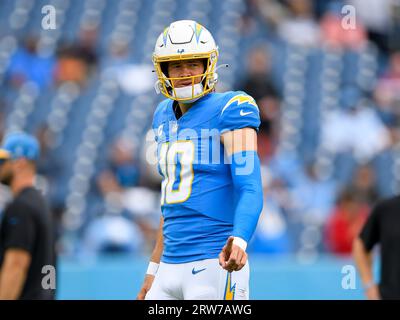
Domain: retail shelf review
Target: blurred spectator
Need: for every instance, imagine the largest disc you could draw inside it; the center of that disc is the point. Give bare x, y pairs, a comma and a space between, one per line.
118, 54
286, 166
376, 16
345, 223
394, 30
387, 102
118, 184
387, 96
122, 169
247, 25
269, 128
322, 6
48, 165
2, 123
257, 82
27, 65
148, 160
49, 169
333, 33
300, 28
112, 234
391, 77
119, 66
271, 235
277, 188
86, 46
71, 66
143, 205
271, 11
77, 61
312, 196
363, 185
394, 70
357, 130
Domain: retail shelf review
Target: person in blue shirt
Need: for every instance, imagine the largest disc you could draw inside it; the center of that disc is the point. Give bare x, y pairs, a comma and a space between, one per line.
211, 192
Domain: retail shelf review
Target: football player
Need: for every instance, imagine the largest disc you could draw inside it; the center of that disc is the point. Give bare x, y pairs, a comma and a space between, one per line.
211, 195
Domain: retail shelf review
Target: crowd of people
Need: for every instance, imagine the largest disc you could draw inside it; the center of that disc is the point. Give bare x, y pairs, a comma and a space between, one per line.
296, 194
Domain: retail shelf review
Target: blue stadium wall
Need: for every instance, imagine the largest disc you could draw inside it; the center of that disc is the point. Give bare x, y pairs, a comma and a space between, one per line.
120, 277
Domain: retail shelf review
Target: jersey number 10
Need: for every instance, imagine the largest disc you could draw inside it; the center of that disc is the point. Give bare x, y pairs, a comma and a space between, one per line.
178, 154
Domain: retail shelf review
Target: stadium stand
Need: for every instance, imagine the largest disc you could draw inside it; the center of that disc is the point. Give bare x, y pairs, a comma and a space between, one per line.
89, 82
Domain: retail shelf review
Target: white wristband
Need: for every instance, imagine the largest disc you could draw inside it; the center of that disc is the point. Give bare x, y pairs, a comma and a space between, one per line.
240, 243
152, 268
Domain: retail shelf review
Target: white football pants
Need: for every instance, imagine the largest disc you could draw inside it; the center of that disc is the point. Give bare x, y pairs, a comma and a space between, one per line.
199, 280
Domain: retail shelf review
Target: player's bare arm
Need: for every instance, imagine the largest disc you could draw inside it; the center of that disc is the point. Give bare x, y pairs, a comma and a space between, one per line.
239, 140
363, 260
154, 260
233, 256
13, 273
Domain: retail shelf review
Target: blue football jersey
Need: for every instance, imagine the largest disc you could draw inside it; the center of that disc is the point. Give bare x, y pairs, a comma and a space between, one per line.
197, 194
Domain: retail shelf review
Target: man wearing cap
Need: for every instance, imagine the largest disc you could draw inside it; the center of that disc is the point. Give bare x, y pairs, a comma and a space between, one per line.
26, 230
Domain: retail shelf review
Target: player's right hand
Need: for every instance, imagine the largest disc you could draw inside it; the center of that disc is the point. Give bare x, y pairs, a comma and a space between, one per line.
232, 257
372, 293
148, 281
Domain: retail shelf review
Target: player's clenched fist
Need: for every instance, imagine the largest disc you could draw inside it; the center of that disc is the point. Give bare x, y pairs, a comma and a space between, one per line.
232, 257
148, 281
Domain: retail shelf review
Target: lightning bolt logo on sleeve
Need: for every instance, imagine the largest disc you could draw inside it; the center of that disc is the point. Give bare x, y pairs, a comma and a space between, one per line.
240, 99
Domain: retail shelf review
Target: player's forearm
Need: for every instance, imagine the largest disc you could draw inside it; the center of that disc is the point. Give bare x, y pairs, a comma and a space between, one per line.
247, 182
11, 283
159, 246
363, 260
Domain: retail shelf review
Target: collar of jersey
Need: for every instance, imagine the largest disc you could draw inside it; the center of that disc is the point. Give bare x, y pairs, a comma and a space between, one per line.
196, 103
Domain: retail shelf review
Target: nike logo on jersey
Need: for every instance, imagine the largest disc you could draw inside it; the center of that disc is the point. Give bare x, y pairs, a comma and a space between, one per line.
242, 113
197, 271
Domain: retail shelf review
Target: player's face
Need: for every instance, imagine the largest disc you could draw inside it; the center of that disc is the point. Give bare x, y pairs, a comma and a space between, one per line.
6, 173
185, 68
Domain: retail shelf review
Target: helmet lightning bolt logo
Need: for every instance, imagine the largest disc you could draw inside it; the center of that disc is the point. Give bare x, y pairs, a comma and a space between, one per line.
165, 34
197, 30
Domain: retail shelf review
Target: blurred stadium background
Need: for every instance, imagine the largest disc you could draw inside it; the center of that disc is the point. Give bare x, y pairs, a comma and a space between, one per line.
329, 98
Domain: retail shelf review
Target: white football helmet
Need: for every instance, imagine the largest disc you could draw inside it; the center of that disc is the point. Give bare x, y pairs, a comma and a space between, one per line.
184, 40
